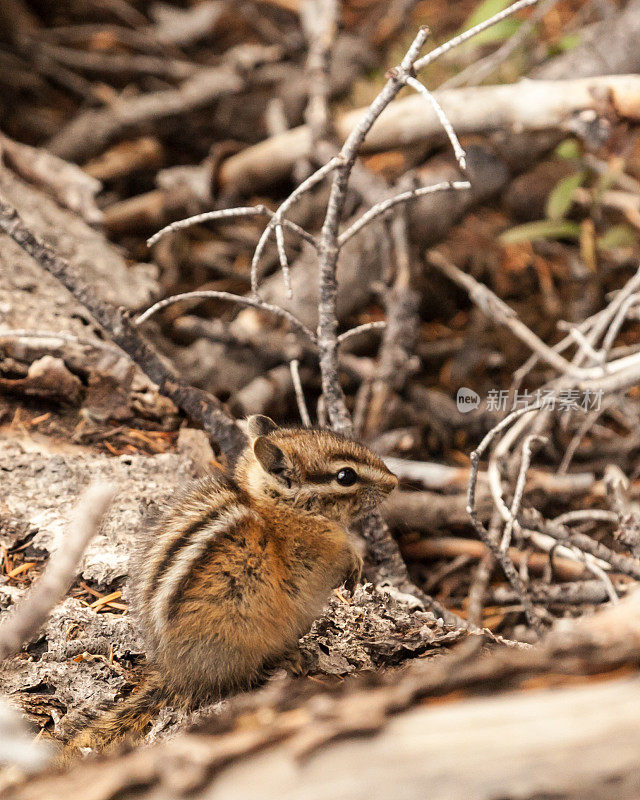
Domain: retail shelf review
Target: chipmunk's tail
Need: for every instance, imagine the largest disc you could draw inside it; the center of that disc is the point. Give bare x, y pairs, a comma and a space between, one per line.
128, 720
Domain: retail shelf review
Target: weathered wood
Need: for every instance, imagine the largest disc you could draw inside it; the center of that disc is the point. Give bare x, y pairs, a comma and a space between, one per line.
525, 106
371, 740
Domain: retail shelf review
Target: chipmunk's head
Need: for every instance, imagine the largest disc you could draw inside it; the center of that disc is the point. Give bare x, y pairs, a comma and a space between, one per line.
314, 470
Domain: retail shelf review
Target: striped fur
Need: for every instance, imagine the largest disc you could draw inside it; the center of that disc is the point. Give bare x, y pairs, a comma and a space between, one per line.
186, 558
237, 568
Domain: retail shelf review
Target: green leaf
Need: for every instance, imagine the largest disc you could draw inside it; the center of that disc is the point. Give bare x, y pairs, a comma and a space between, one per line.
605, 182
560, 198
618, 236
568, 42
568, 149
542, 229
497, 33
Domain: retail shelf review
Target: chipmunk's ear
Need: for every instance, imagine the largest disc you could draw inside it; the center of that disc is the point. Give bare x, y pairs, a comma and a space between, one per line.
259, 425
270, 457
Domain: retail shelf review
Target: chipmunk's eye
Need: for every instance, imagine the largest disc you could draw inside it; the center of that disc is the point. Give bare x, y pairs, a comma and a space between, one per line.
347, 477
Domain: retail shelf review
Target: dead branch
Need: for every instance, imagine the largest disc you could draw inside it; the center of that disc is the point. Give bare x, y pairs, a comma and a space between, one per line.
200, 406
528, 105
429, 511
88, 134
71, 186
408, 740
28, 616
244, 301
441, 477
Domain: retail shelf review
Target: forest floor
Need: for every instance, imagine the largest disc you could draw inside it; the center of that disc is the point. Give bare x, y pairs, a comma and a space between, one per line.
518, 292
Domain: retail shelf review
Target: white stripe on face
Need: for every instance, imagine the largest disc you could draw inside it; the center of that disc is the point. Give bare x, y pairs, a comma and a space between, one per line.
365, 471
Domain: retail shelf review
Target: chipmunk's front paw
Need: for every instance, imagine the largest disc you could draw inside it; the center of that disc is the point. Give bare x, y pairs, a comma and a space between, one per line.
355, 575
295, 662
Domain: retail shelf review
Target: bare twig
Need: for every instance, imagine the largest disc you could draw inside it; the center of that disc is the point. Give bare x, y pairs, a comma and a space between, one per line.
228, 213
242, 300
466, 35
381, 208
27, 617
277, 218
500, 556
586, 514
477, 72
527, 448
461, 156
377, 325
294, 365
199, 405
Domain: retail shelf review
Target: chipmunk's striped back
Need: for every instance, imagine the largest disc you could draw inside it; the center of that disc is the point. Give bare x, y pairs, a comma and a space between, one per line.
208, 513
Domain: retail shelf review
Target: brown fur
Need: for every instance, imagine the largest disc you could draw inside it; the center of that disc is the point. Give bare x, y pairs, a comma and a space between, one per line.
130, 719
237, 569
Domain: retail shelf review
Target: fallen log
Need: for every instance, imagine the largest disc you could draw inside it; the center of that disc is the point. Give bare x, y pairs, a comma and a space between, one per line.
523, 106
362, 739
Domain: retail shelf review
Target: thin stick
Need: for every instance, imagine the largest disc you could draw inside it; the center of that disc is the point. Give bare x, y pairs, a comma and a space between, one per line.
617, 323
242, 300
590, 420
586, 347
405, 197
277, 218
284, 261
28, 616
229, 213
501, 557
527, 451
461, 156
464, 37
587, 515
378, 325
294, 366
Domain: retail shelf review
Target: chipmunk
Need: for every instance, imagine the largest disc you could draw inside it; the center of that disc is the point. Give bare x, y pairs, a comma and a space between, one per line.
238, 568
